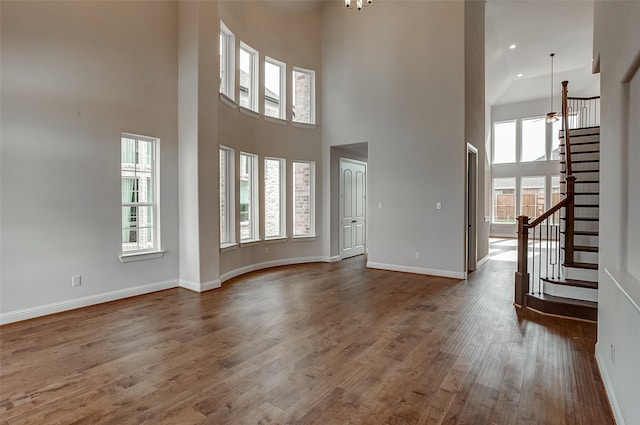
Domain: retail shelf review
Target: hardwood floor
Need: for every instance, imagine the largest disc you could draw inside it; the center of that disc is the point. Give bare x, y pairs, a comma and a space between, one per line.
311, 344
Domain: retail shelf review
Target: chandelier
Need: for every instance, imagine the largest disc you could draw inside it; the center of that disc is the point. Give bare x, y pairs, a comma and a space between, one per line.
359, 3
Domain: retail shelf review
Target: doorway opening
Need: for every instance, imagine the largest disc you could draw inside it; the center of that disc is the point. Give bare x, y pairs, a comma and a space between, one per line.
472, 209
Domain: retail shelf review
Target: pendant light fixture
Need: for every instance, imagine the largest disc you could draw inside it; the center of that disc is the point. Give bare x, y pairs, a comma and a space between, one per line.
359, 3
552, 116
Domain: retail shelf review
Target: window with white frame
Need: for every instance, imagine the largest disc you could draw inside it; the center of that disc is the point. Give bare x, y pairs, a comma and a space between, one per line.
274, 198
304, 92
274, 88
504, 200
504, 142
249, 70
227, 198
227, 61
140, 212
303, 198
532, 196
534, 140
249, 215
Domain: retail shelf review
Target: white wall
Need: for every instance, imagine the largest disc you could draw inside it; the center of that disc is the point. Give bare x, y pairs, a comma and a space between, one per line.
75, 75
617, 45
403, 92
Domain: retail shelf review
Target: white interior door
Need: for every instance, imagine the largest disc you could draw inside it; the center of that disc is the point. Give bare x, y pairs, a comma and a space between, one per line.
353, 188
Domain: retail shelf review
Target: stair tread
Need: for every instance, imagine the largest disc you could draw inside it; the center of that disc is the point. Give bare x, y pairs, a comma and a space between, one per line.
564, 300
583, 193
585, 171
581, 152
579, 265
584, 232
578, 143
583, 218
571, 282
581, 161
580, 181
585, 248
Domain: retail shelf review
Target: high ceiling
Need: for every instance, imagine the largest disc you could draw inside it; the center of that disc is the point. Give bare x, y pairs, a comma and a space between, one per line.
538, 28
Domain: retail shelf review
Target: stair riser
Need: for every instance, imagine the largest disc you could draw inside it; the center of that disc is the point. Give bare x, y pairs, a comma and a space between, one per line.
582, 166
585, 257
586, 199
586, 212
580, 131
584, 155
581, 274
586, 294
584, 187
586, 240
587, 176
585, 136
586, 225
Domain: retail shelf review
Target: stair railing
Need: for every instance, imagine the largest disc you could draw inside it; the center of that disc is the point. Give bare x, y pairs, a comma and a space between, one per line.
540, 256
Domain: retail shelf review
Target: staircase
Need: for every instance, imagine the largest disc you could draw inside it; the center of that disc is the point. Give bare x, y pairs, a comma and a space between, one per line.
558, 252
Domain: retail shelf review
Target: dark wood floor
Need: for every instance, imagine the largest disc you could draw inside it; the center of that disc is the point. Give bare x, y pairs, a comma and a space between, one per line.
310, 344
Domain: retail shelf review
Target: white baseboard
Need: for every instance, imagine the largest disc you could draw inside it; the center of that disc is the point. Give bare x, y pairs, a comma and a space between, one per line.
608, 387
419, 270
276, 263
43, 310
483, 261
200, 287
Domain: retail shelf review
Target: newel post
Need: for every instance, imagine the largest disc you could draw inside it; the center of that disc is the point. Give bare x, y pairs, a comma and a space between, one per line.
522, 274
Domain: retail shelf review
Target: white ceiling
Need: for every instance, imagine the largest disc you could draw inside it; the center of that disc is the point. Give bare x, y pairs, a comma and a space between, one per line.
538, 28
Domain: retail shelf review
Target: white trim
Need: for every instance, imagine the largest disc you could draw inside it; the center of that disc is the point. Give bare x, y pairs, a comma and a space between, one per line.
275, 120
304, 125
250, 242
619, 275
139, 256
298, 238
419, 270
249, 112
228, 101
335, 259
43, 310
276, 240
483, 261
608, 389
268, 264
228, 247
200, 287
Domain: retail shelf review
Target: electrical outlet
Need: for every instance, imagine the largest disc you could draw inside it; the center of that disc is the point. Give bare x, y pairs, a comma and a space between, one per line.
266, 249
613, 352
76, 280
417, 254
438, 205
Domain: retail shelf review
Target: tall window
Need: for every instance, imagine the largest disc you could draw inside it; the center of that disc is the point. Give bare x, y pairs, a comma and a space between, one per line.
303, 198
274, 88
227, 61
248, 197
139, 194
227, 198
274, 198
504, 200
534, 140
304, 92
248, 77
532, 196
504, 142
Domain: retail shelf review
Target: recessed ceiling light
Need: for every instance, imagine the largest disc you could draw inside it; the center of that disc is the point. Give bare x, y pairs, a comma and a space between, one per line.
513, 46
519, 75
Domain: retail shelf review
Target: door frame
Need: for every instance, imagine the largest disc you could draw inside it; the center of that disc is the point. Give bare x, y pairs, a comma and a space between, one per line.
341, 204
471, 202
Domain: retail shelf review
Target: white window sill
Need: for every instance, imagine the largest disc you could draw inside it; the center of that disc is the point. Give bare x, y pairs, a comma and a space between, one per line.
274, 120
228, 101
228, 247
304, 125
276, 240
250, 242
140, 256
249, 112
304, 238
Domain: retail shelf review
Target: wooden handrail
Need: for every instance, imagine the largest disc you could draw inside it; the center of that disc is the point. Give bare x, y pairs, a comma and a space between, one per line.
563, 203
